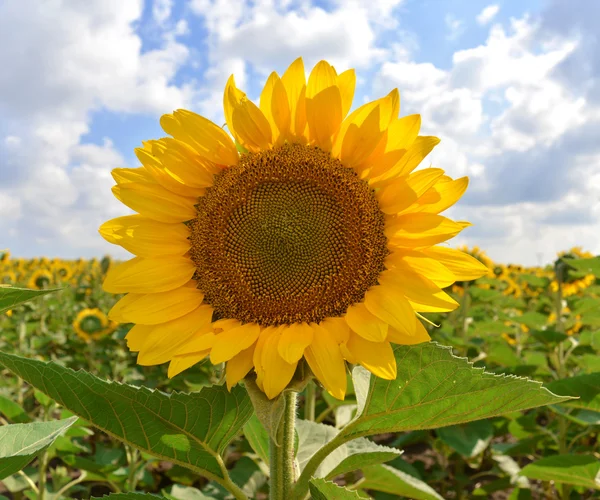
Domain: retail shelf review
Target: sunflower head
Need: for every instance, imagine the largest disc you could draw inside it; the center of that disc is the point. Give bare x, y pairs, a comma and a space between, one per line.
317, 245
40, 279
92, 324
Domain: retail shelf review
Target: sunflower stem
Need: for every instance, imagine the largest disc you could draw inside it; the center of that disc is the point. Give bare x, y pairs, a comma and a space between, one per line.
281, 451
310, 400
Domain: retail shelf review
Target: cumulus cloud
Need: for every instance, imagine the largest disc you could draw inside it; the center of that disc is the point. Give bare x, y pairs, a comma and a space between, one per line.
66, 60
487, 14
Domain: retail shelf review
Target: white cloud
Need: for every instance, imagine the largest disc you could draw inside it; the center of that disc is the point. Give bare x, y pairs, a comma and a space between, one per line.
66, 60
265, 36
487, 14
456, 27
527, 138
161, 10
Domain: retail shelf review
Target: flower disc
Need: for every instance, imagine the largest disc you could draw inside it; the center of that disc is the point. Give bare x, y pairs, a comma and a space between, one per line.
288, 235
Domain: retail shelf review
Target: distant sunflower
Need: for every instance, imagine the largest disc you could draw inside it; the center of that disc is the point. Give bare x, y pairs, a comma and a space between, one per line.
316, 243
42, 278
92, 324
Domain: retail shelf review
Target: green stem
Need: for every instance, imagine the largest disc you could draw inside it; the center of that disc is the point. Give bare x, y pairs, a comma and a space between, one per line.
282, 452
310, 400
42, 468
132, 458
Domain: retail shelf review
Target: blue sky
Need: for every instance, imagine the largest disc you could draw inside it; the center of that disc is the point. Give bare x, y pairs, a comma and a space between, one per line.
512, 88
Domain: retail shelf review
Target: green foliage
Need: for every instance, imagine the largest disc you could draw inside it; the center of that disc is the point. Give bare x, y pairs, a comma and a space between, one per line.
578, 470
434, 388
390, 480
11, 297
188, 429
326, 490
21, 443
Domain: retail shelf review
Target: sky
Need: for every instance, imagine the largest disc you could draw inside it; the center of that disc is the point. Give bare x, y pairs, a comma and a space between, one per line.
512, 88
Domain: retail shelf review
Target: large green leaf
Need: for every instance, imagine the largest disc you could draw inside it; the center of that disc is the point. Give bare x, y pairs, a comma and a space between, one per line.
390, 480
578, 470
434, 389
586, 387
21, 443
326, 490
187, 429
348, 457
11, 297
13, 411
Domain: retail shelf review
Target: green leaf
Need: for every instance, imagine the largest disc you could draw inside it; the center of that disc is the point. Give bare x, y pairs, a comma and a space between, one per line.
586, 387
588, 266
13, 411
533, 320
326, 490
389, 480
434, 389
188, 429
468, 439
258, 437
21, 443
11, 297
178, 492
578, 470
348, 457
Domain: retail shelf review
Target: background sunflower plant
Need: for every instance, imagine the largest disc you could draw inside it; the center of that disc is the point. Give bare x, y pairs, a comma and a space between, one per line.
314, 260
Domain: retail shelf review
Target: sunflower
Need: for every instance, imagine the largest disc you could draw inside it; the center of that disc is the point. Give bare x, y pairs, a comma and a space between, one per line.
92, 324
307, 238
42, 278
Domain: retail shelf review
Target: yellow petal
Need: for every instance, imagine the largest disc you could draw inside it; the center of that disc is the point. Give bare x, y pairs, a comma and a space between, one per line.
164, 340
239, 366
125, 175
155, 202
245, 120
403, 193
231, 342
146, 237
365, 324
377, 357
322, 76
387, 105
165, 177
275, 106
324, 116
361, 140
207, 139
181, 363
462, 265
420, 230
154, 308
137, 336
183, 162
423, 294
149, 275
346, 82
199, 342
420, 263
338, 328
277, 371
326, 362
402, 132
293, 340
294, 81
441, 196
388, 304
419, 149
419, 337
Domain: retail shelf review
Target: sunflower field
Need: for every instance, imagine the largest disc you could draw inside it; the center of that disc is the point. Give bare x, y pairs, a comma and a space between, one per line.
541, 323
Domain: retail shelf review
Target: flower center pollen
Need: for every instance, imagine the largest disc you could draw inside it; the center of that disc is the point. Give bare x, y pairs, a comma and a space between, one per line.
288, 235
